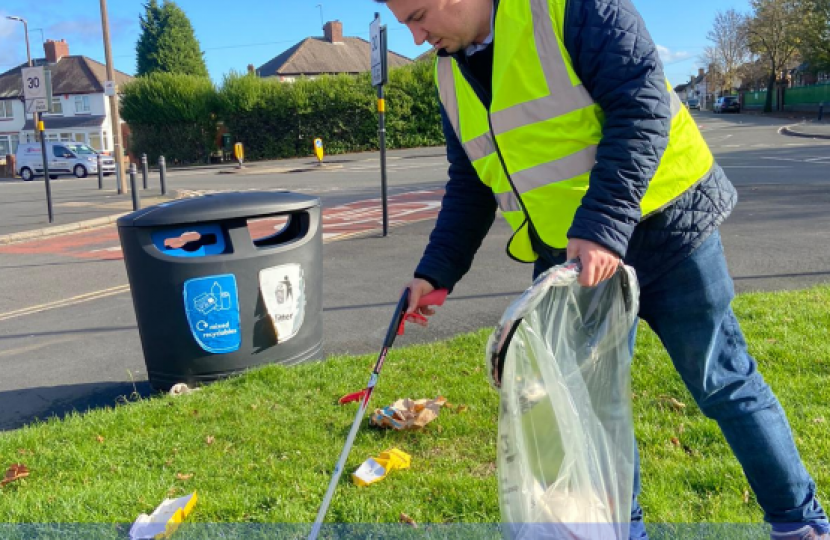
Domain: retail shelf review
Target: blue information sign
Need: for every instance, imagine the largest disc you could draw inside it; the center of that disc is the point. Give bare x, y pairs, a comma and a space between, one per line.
212, 307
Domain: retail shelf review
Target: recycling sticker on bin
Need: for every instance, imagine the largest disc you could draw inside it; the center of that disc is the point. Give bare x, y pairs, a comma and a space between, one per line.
212, 307
283, 292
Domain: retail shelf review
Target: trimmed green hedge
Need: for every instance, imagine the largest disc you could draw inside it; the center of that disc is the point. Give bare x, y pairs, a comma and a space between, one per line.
177, 115
171, 115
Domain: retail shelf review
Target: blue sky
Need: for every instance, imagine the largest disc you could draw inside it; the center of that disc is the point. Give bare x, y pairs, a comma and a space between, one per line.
236, 33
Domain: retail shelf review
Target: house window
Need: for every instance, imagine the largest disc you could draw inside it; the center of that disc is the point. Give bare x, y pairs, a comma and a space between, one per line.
95, 141
82, 104
66, 137
8, 144
80, 137
6, 109
57, 106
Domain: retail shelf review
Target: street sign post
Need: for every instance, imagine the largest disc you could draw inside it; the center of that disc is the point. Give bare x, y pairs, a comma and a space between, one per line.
35, 90
380, 75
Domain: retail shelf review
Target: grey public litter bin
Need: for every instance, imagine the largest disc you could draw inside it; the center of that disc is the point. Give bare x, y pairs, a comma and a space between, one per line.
214, 295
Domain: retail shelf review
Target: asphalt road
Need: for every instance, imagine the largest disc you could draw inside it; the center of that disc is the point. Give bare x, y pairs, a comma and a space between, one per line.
68, 337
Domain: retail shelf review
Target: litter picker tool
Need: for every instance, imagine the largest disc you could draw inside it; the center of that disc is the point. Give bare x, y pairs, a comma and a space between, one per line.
396, 328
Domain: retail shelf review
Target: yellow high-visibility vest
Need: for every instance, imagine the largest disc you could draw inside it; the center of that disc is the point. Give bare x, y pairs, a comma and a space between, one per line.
536, 145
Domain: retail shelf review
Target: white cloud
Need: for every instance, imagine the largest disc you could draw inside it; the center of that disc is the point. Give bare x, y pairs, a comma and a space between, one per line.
668, 56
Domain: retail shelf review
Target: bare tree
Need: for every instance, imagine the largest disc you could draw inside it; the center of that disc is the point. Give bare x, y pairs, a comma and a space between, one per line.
773, 31
729, 50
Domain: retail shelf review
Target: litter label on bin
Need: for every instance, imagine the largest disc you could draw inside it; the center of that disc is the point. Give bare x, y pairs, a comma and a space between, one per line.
212, 307
283, 291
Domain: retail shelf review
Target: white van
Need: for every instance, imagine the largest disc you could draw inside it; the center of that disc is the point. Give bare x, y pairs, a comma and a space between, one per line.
64, 158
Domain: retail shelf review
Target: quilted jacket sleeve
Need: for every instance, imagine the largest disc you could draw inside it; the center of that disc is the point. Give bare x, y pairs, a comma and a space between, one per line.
619, 65
468, 210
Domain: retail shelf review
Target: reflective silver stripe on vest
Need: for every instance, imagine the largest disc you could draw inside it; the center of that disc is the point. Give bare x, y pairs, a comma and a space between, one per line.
564, 97
555, 171
676, 104
483, 145
508, 202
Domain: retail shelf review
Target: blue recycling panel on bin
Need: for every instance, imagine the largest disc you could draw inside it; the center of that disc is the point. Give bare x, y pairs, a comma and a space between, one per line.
212, 307
211, 241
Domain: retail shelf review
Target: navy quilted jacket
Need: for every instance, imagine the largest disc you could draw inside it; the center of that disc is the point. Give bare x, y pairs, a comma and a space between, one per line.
619, 65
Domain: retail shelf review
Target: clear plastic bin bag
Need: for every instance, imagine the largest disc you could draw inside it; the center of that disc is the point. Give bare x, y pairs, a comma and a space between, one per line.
561, 358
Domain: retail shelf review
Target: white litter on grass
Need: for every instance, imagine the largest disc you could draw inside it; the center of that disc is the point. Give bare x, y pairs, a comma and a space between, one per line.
164, 520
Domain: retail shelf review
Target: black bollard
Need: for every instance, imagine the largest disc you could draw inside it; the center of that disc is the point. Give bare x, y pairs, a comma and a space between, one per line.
163, 174
100, 173
820, 111
144, 169
134, 187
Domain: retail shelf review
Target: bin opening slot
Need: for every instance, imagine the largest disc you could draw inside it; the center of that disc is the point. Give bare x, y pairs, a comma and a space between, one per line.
193, 241
190, 241
275, 231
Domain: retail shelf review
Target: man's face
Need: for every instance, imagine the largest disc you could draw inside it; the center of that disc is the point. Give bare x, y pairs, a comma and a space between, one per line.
451, 25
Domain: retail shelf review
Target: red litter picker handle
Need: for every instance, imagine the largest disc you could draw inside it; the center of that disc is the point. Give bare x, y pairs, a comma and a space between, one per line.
435, 298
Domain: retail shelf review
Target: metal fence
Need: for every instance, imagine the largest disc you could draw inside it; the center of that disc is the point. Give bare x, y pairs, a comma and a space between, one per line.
802, 98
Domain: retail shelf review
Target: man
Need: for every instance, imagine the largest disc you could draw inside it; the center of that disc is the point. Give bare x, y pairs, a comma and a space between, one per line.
558, 113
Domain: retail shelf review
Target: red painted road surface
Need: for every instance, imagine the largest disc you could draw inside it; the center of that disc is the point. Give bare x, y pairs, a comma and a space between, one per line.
338, 222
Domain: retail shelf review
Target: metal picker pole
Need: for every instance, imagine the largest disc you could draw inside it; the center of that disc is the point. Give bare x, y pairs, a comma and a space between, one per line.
435, 298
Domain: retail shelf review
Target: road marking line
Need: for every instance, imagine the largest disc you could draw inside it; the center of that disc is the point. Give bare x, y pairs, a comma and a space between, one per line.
88, 297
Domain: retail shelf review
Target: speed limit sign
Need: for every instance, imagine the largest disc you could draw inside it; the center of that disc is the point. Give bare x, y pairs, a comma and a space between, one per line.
34, 89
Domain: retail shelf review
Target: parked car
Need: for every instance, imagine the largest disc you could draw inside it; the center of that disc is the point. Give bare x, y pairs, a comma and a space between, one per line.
64, 158
693, 104
727, 104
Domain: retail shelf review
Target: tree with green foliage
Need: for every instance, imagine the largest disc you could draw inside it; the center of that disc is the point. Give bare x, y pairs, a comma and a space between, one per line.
167, 43
774, 32
815, 48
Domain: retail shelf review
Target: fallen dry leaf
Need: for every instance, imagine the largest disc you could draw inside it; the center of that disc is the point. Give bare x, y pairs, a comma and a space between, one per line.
675, 441
461, 408
99, 438
819, 420
679, 405
210, 439
181, 476
746, 496
15, 472
409, 520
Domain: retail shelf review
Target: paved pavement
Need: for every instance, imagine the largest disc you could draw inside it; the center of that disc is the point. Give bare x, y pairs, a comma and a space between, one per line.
68, 338
810, 130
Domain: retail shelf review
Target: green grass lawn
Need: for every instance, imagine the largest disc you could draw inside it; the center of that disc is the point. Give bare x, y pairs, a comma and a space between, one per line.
261, 448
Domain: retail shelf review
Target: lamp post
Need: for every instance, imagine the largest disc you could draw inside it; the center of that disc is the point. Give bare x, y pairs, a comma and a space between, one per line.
29, 56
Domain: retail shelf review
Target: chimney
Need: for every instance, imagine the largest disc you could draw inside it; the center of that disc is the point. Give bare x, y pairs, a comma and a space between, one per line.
55, 50
701, 72
333, 30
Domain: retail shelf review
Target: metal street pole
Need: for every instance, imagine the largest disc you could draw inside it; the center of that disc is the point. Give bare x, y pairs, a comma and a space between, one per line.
116, 116
35, 117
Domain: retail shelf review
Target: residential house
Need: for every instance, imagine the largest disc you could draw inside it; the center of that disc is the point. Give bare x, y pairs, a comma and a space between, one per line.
700, 88
330, 54
79, 111
681, 90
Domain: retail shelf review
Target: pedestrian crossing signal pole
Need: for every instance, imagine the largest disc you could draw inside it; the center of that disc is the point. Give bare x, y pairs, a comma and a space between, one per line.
379, 78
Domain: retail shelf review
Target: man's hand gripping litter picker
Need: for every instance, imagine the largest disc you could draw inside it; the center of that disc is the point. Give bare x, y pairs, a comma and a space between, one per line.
396, 328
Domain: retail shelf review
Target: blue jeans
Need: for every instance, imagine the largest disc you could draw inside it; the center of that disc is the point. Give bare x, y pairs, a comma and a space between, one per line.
689, 308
